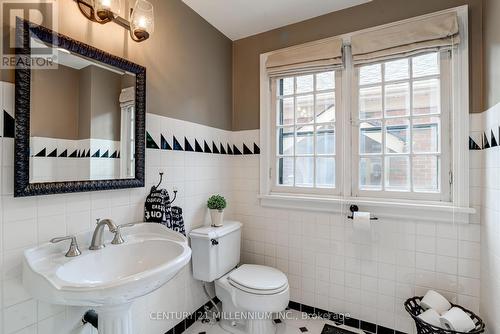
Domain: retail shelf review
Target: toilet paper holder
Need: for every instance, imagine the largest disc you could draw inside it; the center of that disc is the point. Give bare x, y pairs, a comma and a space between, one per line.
354, 208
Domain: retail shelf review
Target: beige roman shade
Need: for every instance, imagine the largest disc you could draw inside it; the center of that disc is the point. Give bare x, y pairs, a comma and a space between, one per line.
429, 34
310, 57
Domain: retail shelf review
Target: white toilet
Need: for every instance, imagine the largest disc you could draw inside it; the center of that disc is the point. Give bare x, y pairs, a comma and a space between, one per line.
250, 294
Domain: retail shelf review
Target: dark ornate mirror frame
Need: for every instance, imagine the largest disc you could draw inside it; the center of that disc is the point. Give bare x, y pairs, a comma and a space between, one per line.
22, 186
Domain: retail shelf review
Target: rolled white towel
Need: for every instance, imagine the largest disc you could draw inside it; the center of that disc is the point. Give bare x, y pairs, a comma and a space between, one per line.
431, 317
434, 300
457, 320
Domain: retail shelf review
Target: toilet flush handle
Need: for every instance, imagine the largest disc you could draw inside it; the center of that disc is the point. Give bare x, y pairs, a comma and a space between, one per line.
214, 242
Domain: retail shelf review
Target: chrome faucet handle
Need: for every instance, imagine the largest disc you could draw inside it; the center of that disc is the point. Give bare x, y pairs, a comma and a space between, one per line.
73, 247
118, 239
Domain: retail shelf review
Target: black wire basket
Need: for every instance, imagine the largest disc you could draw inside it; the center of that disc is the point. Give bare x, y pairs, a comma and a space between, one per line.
412, 306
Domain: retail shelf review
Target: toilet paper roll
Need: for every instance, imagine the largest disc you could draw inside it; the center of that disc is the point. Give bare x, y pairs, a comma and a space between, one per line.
434, 300
361, 221
457, 320
431, 317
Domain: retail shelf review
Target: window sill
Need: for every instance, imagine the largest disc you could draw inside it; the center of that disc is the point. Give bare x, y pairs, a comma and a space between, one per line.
438, 212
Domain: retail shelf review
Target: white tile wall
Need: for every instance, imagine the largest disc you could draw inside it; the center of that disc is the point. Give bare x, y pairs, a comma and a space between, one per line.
327, 264
490, 224
329, 267
27, 222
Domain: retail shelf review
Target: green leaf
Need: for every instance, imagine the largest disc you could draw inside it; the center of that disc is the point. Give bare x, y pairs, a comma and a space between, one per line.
216, 202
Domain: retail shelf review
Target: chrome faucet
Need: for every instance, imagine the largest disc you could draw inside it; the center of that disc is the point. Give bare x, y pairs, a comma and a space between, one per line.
97, 242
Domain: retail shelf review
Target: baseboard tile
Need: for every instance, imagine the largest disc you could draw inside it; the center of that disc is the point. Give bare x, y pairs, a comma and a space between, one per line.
339, 319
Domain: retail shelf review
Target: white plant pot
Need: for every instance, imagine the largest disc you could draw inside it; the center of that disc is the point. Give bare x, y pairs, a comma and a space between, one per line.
217, 217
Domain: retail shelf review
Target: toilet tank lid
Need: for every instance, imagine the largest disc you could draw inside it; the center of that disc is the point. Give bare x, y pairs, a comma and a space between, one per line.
212, 232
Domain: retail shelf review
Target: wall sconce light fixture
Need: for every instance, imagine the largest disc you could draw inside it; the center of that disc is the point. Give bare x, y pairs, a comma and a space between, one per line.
141, 24
142, 20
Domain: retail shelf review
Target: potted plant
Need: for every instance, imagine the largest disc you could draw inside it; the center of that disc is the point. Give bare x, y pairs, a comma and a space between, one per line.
216, 204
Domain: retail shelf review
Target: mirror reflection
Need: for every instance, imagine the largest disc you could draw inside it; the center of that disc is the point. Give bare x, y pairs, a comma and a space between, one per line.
82, 120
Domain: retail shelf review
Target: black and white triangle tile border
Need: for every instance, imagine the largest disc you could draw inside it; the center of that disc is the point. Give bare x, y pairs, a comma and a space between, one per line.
198, 145
9, 132
76, 153
486, 140
489, 139
8, 125
164, 144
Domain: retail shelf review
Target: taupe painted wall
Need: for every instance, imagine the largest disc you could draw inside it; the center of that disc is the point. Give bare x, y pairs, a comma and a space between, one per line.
100, 112
53, 114
491, 26
76, 104
246, 51
105, 105
188, 61
85, 112
188, 67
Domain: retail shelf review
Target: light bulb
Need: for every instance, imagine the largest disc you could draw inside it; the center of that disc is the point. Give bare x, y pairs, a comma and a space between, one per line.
105, 10
142, 20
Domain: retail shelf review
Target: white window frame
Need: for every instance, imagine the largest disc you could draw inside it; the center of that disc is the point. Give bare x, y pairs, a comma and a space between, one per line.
455, 210
275, 187
445, 137
127, 141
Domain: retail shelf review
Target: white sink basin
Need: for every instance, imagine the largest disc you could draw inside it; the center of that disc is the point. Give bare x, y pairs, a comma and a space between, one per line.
110, 278
122, 262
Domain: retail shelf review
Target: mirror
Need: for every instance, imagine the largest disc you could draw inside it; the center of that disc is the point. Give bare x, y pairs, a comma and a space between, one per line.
81, 120
80, 112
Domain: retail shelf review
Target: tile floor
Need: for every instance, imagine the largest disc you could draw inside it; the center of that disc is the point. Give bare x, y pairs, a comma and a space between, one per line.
295, 323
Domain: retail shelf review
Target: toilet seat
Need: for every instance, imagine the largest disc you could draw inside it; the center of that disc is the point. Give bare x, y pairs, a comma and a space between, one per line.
269, 292
259, 280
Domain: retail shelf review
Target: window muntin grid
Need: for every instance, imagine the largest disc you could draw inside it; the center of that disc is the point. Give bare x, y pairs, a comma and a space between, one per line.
400, 125
305, 131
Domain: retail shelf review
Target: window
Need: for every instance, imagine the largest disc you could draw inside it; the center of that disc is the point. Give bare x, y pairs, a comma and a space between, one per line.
305, 131
403, 138
382, 114
401, 112
127, 143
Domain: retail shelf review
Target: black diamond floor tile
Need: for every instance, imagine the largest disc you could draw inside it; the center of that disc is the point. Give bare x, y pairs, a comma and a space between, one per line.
328, 329
303, 329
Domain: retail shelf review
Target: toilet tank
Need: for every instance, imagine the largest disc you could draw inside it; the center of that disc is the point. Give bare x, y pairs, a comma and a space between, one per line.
215, 250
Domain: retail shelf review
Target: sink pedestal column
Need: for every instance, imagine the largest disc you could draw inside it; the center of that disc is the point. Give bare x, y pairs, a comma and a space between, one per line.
115, 319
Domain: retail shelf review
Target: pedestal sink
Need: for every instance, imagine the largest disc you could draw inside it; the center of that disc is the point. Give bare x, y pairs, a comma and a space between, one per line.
108, 279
